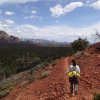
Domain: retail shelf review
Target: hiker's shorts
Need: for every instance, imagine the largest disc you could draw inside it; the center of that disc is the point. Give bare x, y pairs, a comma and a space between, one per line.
74, 80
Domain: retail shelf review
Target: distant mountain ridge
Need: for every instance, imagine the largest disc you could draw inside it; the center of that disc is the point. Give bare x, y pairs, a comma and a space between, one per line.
4, 37
43, 42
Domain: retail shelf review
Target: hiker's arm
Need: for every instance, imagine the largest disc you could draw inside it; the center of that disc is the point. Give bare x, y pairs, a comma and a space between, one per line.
78, 69
69, 68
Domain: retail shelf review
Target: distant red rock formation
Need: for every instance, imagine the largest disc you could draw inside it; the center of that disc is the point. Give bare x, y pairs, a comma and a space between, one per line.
8, 38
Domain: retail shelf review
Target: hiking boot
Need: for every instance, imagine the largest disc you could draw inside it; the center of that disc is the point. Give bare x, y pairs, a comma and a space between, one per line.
76, 93
71, 95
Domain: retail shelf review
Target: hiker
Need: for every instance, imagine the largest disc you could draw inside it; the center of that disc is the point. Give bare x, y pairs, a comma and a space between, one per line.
74, 74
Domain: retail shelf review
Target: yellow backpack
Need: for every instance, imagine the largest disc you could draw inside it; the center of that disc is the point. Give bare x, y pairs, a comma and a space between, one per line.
73, 73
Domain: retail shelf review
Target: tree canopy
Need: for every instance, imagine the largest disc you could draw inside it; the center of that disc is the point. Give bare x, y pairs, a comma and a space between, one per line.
79, 44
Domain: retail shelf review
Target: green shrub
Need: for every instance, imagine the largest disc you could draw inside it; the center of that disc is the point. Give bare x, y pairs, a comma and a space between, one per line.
44, 64
6, 87
32, 78
79, 44
4, 93
97, 96
45, 74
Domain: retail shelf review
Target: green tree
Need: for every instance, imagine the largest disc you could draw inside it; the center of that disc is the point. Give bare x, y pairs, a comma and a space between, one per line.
20, 64
26, 62
1, 70
79, 44
33, 62
4, 70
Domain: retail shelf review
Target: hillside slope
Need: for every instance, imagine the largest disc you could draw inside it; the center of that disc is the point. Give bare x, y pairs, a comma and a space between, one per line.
4, 37
56, 85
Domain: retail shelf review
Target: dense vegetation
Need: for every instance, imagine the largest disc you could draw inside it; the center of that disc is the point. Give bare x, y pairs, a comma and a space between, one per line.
80, 44
17, 57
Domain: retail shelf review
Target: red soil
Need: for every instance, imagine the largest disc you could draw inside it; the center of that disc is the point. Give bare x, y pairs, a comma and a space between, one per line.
56, 85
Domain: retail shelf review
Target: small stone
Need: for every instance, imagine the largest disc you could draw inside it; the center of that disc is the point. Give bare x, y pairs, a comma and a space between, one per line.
98, 56
54, 93
86, 54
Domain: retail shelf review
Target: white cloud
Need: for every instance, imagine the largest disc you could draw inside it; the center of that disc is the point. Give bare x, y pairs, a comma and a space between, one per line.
57, 33
34, 11
31, 17
96, 5
9, 13
8, 21
59, 10
72, 6
87, 1
16, 1
7, 25
29, 31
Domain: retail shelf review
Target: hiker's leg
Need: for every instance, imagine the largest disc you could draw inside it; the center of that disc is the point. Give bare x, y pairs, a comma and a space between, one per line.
71, 88
76, 89
76, 85
71, 85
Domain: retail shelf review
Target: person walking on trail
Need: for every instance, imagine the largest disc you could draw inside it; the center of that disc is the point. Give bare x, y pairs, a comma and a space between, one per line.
74, 74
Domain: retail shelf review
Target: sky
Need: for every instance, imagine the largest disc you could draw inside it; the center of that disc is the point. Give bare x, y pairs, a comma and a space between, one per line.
58, 20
